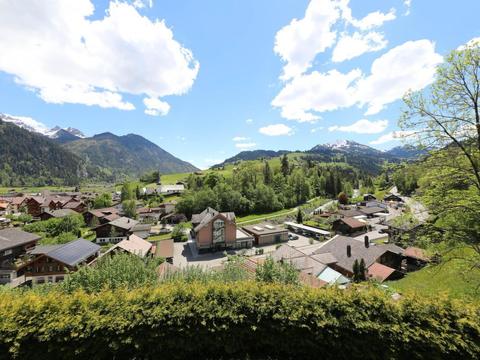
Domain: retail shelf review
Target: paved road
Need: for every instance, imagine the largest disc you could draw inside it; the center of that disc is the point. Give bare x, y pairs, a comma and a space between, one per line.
419, 211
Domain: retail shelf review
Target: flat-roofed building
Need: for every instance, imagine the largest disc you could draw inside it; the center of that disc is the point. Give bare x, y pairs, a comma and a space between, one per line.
266, 234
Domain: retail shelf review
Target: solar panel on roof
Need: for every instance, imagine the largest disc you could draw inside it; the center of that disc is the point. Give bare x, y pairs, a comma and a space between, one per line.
270, 227
258, 228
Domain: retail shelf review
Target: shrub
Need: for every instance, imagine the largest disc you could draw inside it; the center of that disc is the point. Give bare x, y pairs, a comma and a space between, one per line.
240, 320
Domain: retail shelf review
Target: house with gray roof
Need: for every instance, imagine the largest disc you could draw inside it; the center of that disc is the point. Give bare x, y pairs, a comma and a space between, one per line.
120, 229
214, 230
51, 263
14, 243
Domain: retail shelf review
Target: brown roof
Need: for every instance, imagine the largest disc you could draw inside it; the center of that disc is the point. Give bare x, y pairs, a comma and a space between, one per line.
352, 223
165, 248
416, 253
380, 272
311, 281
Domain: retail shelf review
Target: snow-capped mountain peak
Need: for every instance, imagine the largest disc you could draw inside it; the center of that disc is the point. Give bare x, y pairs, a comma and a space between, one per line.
35, 126
26, 123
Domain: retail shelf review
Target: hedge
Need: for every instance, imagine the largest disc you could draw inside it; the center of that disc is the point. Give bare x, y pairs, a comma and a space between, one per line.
239, 320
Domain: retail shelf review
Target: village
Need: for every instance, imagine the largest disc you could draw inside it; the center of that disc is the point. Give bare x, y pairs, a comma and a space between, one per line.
339, 243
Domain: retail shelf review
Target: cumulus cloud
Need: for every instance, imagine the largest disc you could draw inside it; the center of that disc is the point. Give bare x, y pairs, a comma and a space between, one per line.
408, 4
351, 46
300, 41
392, 136
370, 21
410, 66
156, 107
362, 126
276, 130
55, 49
244, 146
316, 92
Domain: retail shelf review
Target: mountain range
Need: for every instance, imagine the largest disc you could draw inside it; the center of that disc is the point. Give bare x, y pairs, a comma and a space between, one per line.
358, 155
105, 157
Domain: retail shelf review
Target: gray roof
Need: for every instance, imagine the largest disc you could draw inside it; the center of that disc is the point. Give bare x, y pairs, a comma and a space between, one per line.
44, 249
368, 210
61, 213
72, 253
264, 229
124, 223
286, 252
337, 247
349, 212
325, 258
202, 219
10, 238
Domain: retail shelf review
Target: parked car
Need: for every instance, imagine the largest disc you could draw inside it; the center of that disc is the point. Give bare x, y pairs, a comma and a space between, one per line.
292, 236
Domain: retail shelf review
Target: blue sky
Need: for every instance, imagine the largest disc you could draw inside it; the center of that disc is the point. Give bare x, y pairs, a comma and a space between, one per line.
221, 76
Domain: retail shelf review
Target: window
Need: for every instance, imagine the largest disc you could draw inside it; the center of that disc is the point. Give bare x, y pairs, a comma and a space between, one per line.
5, 276
218, 231
8, 252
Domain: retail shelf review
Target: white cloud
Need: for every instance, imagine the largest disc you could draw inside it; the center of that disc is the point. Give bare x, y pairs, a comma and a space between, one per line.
392, 136
55, 49
373, 20
300, 41
314, 130
351, 46
156, 107
362, 126
408, 4
316, 92
410, 66
276, 130
140, 4
249, 121
239, 138
245, 145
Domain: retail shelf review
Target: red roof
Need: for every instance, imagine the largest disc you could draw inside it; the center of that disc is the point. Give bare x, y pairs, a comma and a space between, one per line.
380, 272
311, 281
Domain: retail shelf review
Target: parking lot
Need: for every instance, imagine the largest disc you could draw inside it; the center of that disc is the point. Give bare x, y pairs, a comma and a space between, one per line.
184, 256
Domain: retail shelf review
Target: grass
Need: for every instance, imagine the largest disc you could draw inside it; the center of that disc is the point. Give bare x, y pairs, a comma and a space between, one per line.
160, 237
454, 277
266, 216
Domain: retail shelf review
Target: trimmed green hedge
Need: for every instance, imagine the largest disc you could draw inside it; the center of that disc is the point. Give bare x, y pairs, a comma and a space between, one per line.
239, 320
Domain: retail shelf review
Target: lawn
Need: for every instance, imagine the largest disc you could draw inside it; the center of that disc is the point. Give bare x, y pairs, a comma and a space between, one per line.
454, 277
266, 216
160, 237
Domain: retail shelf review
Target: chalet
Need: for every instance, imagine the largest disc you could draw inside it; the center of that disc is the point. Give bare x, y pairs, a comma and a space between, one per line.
266, 234
349, 226
120, 229
75, 205
171, 189
97, 217
346, 250
173, 218
369, 197
14, 244
349, 213
34, 205
392, 198
5, 208
218, 231
51, 263
133, 245
60, 213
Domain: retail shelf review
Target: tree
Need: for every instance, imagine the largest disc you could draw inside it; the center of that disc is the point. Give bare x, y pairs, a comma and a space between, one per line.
129, 208
447, 117
285, 166
267, 174
299, 216
179, 232
128, 191
103, 201
272, 272
359, 270
343, 198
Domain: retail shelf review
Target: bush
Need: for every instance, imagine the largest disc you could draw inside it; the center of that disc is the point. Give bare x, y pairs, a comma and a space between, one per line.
54, 227
240, 320
178, 232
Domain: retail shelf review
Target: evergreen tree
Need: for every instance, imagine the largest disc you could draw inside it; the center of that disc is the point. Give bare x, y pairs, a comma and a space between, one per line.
267, 174
299, 217
285, 166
